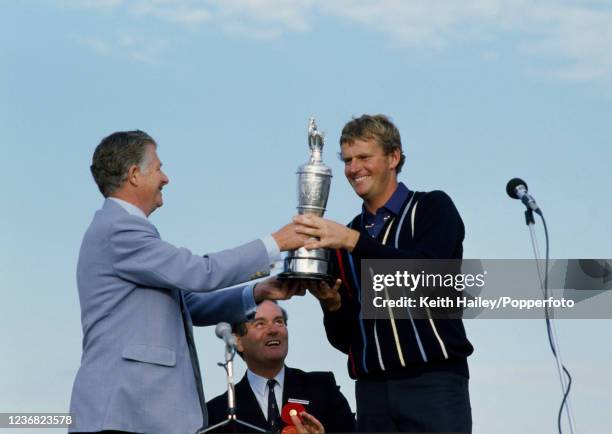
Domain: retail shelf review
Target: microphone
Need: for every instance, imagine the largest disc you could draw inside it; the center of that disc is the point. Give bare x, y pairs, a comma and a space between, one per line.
224, 331
517, 189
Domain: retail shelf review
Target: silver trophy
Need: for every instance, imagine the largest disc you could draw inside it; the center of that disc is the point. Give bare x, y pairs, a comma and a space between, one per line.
313, 181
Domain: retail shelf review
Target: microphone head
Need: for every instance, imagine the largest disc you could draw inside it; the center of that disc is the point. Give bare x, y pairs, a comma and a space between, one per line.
223, 329
511, 187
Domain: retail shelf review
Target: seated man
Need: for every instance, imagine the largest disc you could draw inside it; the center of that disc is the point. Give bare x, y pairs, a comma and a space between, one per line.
268, 384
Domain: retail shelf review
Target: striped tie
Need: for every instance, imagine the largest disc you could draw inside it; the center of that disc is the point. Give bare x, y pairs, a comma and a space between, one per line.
273, 415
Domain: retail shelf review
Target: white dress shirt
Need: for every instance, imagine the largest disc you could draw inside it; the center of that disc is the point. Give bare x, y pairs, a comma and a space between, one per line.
259, 386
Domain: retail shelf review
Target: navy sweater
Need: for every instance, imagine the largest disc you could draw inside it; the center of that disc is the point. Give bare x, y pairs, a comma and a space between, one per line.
375, 348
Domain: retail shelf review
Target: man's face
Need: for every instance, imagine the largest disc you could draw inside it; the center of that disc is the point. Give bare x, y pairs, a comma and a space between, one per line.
151, 181
370, 172
265, 344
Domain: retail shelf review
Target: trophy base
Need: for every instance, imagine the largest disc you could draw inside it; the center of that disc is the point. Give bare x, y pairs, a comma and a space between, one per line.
307, 265
292, 275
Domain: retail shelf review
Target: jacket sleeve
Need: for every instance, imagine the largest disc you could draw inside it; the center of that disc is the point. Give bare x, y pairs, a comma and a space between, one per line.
210, 308
438, 231
142, 257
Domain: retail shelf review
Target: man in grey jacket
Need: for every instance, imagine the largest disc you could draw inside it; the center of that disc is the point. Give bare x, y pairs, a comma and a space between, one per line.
140, 296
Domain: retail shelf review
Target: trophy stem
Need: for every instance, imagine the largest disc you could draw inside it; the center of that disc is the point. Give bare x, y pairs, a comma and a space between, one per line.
316, 157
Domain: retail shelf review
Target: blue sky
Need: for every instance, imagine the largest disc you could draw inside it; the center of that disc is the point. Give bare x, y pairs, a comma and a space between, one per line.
482, 91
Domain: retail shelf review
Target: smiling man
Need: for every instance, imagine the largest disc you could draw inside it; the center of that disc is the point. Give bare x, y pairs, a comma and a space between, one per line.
412, 375
140, 297
268, 384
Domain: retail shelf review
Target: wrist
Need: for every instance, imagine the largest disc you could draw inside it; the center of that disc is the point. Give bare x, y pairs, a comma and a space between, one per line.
258, 295
331, 307
277, 239
350, 239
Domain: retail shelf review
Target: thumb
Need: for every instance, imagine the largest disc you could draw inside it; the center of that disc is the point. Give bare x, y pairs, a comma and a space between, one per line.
298, 424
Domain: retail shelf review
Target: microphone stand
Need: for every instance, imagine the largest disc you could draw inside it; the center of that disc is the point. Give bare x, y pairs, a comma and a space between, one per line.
530, 222
232, 421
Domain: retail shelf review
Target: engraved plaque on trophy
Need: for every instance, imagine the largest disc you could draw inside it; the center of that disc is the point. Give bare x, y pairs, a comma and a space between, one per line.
313, 181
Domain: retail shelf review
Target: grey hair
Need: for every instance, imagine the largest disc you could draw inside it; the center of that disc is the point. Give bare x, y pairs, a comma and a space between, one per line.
115, 155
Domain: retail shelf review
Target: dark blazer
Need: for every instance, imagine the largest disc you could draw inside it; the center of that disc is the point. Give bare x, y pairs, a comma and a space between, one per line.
326, 402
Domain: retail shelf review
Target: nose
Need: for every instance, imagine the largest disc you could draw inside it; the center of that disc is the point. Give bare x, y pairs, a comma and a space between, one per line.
165, 179
352, 167
273, 329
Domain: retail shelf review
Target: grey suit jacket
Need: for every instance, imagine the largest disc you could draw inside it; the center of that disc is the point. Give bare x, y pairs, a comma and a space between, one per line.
136, 373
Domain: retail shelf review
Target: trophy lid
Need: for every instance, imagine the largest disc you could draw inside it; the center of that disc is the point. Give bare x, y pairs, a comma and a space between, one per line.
316, 141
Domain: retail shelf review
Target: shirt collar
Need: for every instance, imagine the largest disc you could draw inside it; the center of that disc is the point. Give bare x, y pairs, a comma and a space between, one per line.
259, 384
396, 201
129, 208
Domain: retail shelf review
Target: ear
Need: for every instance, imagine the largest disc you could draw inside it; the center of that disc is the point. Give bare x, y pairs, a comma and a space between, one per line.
394, 158
133, 173
239, 345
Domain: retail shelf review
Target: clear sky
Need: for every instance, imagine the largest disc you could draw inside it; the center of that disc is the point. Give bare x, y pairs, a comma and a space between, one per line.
482, 91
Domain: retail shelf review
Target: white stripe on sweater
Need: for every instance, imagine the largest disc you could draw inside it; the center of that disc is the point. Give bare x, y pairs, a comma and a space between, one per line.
431, 321
398, 346
380, 360
397, 234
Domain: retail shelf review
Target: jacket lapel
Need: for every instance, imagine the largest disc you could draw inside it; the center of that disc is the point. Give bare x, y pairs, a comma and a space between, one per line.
294, 387
248, 409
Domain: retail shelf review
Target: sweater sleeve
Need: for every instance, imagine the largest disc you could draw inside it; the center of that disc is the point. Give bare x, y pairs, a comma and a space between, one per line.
439, 232
339, 324
339, 417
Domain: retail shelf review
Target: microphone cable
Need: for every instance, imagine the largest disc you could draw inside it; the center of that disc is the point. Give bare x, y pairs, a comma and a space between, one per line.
516, 188
549, 330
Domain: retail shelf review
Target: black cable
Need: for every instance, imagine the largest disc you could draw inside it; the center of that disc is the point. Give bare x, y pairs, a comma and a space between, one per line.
549, 330
224, 365
565, 395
